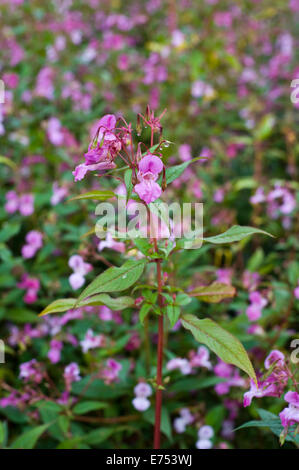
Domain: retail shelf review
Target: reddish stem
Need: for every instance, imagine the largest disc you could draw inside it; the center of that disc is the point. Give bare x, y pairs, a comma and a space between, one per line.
157, 431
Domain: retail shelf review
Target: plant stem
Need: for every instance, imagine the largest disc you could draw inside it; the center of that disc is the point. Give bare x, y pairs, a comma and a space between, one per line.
157, 431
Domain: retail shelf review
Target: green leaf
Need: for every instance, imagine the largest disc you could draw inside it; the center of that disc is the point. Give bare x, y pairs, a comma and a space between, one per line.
8, 162
194, 383
214, 293
63, 305
3, 433
174, 172
28, 439
8, 231
87, 406
115, 279
97, 195
128, 182
144, 312
173, 313
220, 341
265, 127
235, 234
98, 435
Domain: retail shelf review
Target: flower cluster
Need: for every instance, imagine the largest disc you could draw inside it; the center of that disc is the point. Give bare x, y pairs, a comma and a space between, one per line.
183, 420
142, 392
205, 434
80, 268
24, 203
257, 303
32, 285
34, 241
273, 384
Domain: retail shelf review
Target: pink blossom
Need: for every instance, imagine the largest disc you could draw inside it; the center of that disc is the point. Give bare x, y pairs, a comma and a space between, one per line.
141, 403
34, 241
59, 193
275, 357
205, 432
32, 285
30, 371
201, 358
143, 390
183, 420
290, 415
254, 311
204, 444
71, 374
55, 351
111, 370
80, 268
296, 291
112, 244
224, 276
26, 206
149, 168
12, 203
92, 341
23, 203
179, 363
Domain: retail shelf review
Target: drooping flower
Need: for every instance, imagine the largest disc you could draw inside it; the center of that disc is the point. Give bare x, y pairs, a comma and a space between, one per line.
102, 150
183, 420
149, 168
32, 285
142, 392
31, 371
54, 352
34, 241
290, 415
92, 341
254, 310
71, 374
80, 268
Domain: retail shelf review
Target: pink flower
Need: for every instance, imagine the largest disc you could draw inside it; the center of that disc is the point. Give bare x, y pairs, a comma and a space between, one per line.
30, 371
275, 357
26, 206
201, 358
55, 351
34, 241
254, 311
80, 268
24, 203
32, 285
92, 341
149, 168
12, 203
183, 420
262, 391
179, 363
102, 150
143, 390
290, 415
71, 374
112, 244
59, 193
296, 291
110, 372
141, 403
